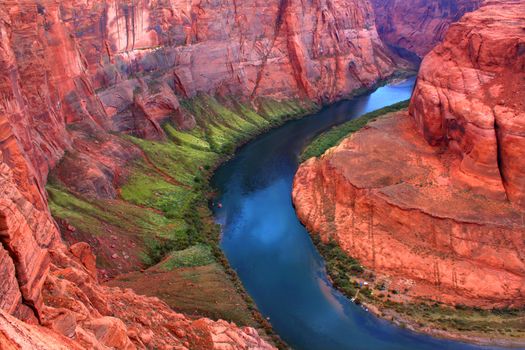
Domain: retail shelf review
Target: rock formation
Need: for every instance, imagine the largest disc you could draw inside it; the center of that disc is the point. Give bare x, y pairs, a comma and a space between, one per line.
80, 314
470, 99
73, 73
417, 26
433, 200
279, 48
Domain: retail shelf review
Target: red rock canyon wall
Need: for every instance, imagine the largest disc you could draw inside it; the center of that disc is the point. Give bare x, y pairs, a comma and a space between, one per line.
418, 25
470, 99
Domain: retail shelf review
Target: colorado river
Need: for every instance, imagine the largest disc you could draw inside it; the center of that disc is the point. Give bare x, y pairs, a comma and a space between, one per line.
273, 254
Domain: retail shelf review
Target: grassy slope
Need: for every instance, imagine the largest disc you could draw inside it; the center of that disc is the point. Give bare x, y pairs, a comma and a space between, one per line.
163, 206
346, 272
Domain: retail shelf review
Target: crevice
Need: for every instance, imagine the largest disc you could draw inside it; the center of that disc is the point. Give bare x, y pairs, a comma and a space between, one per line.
499, 157
16, 263
283, 4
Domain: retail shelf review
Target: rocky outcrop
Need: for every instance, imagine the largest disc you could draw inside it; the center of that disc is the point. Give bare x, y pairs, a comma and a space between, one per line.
432, 200
26, 232
469, 99
417, 26
80, 314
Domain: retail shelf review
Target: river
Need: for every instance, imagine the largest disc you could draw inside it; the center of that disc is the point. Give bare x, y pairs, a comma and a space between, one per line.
273, 254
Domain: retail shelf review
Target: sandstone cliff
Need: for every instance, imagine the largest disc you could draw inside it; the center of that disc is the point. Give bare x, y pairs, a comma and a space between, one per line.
417, 26
470, 99
80, 314
434, 200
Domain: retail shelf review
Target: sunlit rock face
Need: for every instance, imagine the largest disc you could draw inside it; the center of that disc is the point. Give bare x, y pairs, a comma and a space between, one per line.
417, 26
432, 198
470, 99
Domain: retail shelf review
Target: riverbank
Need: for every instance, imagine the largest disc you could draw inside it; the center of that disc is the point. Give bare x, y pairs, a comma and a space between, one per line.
319, 145
496, 327
379, 295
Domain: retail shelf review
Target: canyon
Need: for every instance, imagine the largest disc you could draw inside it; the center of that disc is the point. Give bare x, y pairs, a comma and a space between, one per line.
413, 28
430, 199
81, 84
112, 112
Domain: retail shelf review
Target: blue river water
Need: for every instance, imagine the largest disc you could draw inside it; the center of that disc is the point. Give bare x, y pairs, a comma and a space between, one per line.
273, 254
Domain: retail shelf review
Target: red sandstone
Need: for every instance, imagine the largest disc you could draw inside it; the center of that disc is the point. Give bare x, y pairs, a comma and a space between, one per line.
418, 25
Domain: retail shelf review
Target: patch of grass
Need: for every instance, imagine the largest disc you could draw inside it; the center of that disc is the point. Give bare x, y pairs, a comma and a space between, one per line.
149, 189
82, 214
198, 291
274, 111
180, 162
335, 135
95, 216
197, 255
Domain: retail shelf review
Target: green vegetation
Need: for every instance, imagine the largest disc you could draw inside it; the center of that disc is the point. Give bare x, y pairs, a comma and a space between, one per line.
93, 216
335, 135
346, 274
342, 268
500, 323
204, 290
172, 179
197, 255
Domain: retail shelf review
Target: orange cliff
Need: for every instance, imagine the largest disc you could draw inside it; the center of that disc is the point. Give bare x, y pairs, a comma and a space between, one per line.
73, 73
432, 199
418, 25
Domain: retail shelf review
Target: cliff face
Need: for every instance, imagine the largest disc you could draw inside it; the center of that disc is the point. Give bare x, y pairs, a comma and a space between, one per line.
280, 48
433, 200
81, 314
74, 73
470, 100
418, 25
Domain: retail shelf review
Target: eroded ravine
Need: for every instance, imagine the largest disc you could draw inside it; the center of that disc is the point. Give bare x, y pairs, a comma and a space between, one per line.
272, 252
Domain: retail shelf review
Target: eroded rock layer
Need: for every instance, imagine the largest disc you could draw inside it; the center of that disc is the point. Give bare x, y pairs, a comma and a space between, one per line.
417, 26
433, 199
81, 314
